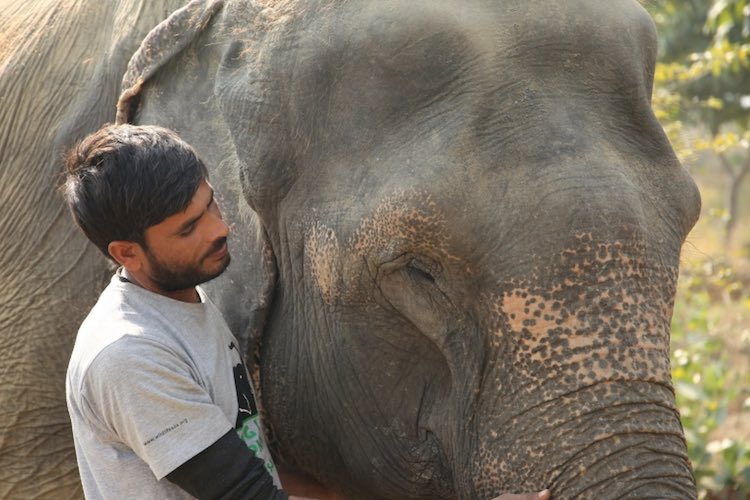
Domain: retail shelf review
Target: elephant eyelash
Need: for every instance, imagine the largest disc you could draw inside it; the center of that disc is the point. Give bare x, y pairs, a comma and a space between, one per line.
420, 270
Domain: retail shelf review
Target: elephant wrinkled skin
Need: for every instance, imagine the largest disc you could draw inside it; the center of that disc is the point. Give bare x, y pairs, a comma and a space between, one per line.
457, 227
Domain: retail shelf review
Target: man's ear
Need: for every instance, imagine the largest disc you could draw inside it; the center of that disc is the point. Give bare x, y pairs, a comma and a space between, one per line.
128, 254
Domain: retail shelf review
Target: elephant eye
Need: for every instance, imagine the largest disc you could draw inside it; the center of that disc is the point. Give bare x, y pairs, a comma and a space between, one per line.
412, 286
420, 271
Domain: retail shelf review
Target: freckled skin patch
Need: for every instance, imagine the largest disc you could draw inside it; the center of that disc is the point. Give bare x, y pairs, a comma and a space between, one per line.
610, 309
570, 322
323, 257
408, 220
404, 221
526, 313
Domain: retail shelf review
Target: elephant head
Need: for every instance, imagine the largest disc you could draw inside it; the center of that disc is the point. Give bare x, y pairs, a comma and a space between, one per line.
475, 222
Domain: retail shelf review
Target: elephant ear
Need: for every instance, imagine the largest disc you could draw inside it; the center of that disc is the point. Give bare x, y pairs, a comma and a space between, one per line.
161, 45
252, 89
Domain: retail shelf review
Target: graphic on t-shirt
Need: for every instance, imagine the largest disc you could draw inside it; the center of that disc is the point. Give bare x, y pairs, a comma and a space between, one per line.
245, 399
248, 420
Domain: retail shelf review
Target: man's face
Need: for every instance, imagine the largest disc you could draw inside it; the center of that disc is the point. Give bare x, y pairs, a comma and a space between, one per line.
189, 247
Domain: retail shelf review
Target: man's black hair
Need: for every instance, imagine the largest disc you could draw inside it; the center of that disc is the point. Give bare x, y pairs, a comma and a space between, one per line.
123, 179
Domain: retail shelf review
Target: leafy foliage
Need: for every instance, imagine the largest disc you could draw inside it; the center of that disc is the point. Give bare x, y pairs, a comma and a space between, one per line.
705, 59
707, 386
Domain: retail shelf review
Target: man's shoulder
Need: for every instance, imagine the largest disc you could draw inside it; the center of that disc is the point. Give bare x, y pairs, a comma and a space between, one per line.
109, 350
122, 311
109, 320
115, 330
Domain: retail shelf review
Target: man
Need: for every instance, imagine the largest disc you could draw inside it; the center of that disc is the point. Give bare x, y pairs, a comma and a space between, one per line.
156, 389
157, 392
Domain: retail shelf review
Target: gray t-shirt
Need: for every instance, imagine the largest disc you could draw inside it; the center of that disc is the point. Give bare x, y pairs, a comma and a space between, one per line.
151, 382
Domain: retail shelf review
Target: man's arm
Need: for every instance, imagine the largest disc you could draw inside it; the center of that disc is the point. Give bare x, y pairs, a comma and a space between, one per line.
227, 469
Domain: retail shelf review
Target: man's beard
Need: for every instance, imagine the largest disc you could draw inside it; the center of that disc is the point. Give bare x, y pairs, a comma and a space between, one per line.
174, 278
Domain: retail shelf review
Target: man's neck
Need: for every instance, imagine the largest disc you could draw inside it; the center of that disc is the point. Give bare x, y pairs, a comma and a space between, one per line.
139, 279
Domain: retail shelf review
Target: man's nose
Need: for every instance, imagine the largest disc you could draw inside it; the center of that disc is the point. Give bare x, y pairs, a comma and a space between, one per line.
219, 228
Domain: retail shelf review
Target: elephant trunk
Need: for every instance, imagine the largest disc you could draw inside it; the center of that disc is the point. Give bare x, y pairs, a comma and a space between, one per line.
627, 443
613, 439
638, 465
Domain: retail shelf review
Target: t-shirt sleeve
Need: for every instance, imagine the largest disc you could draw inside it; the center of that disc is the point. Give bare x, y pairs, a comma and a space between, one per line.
144, 395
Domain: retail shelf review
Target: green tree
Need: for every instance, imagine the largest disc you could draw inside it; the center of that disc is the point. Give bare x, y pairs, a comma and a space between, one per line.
703, 78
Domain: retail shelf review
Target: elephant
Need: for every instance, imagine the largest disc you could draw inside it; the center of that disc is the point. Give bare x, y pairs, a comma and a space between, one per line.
456, 232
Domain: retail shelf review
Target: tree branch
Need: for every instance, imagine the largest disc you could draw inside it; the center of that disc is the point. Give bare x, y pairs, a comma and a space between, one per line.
727, 166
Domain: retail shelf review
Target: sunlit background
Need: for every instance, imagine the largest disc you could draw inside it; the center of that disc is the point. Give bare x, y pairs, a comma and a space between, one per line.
702, 98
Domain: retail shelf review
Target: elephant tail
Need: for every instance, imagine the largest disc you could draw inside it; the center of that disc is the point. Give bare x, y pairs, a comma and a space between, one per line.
168, 39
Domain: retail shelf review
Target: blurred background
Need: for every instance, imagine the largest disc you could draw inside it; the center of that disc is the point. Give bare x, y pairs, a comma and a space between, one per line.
702, 98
